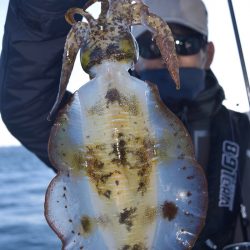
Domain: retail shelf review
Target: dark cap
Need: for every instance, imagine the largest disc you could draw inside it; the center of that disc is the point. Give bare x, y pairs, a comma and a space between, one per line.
189, 13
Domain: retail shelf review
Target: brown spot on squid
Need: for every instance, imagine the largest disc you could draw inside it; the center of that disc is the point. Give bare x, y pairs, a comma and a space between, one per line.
169, 210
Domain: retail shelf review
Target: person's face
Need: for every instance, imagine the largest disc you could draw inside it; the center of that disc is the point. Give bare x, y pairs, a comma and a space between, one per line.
193, 61
200, 59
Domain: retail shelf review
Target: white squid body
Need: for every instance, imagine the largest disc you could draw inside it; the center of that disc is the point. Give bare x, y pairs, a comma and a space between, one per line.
127, 175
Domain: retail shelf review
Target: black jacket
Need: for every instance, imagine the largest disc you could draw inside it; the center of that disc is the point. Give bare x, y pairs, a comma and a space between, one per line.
30, 66
221, 138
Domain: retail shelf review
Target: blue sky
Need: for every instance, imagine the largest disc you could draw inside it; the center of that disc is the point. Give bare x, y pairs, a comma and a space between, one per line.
226, 63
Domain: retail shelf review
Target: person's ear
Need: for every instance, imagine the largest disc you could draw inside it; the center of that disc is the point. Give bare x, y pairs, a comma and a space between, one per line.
210, 54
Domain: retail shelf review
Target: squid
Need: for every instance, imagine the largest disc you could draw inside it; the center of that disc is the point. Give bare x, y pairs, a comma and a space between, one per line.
127, 178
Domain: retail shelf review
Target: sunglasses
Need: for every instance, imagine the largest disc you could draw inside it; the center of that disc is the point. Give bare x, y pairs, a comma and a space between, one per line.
185, 45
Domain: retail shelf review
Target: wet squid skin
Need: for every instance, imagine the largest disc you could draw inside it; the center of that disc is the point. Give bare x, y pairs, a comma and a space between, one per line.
127, 178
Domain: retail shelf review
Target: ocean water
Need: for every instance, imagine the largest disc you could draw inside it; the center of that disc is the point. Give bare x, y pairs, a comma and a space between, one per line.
23, 183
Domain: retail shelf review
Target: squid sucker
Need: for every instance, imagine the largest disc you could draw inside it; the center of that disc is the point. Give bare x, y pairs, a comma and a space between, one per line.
127, 177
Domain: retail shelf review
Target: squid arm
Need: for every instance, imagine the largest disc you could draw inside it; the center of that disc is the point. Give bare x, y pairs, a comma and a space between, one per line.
74, 41
162, 35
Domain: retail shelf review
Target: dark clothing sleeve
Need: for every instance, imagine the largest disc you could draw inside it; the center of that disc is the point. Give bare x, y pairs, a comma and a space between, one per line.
30, 65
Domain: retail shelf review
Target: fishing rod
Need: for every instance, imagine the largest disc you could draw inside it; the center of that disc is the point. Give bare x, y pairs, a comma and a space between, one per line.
243, 215
242, 61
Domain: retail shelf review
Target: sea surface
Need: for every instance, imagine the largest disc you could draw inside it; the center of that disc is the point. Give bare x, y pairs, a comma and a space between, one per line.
23, 183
